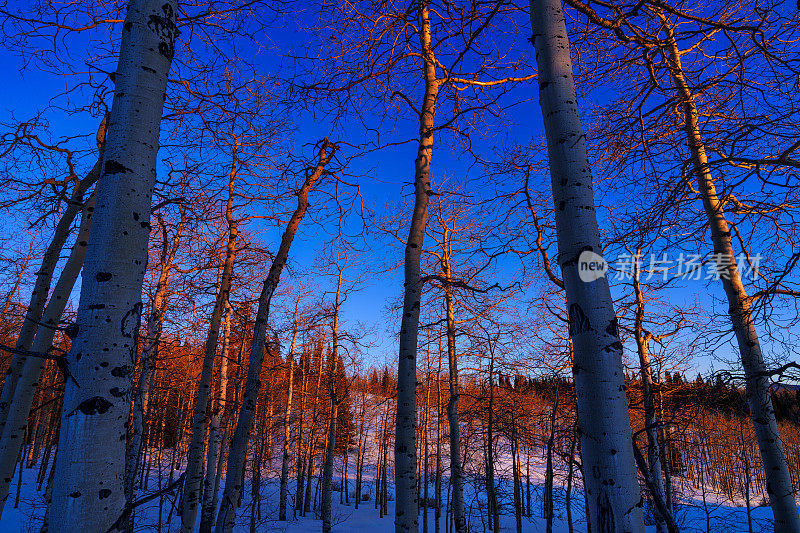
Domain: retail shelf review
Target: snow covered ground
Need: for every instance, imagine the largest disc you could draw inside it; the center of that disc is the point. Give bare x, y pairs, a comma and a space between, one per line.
717, 515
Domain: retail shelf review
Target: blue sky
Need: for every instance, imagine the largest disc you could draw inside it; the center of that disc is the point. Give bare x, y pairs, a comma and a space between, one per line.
385, 176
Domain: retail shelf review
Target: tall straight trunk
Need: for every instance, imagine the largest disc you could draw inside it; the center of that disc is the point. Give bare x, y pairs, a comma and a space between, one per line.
88, 491
612, 486
385, 474
141, 393
650, 421
194, 462
517, 477
311, 455
211, 482
287, 456
344, 493
490, 488
456, 468
570, 476
425, 432
44, 276
759, 399
405, 461
298, 503
549, 474
327, 474
238, 450
665, 466
311, 444
28, 383
437, 491
528, 481
360, 452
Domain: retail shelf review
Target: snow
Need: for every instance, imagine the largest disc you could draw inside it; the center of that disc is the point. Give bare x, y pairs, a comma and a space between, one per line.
723, 514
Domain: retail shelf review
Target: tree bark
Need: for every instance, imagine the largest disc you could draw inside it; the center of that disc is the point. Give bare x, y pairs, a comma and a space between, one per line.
194, 461
211, 486
611, 484
88, 491
287, 456
44, 277
28, 383
776, 471
651, 423
456, 468
141, 394
491, 494
406, 505
238, 450
327, 474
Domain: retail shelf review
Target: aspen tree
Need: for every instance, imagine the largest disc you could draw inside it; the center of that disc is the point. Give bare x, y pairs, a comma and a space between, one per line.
44, 275
779, 483
286, 455
28, 382
611, 483
234, 482
88, 489
141, 392
194, 461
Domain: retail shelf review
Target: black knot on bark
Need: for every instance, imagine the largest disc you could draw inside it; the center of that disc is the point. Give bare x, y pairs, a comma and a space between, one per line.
94, 406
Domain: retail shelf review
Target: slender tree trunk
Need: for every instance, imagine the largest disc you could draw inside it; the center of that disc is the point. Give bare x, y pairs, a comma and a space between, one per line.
490, 488
311, 453
570, 476
548, 480
238, 451
597, 363
141, 392
650, 422
360, 453
194, 462
44, 276
456, 471
311, 445
88, 492
405, 461
327, 475
28, 382
438, 482
214, 438
298, 504
776, 471
425, 433
287, 456
516, 474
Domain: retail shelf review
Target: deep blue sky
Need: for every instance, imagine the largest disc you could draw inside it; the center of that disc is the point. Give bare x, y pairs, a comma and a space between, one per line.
385, 177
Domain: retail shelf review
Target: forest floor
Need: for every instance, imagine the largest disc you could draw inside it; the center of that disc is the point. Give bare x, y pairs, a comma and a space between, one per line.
694, 516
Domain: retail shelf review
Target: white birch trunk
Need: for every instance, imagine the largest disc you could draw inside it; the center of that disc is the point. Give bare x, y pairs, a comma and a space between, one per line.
17, 416
234, 483
610, 481
88, 492
650, 421
456, 467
